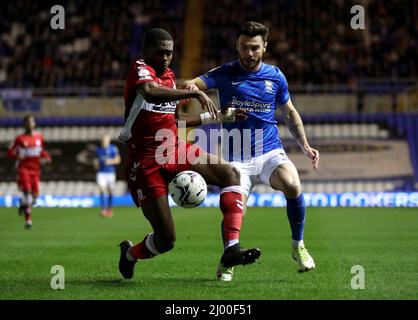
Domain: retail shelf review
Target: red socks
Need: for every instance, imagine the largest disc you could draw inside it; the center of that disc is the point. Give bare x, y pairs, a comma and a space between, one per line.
231, 206
145, 249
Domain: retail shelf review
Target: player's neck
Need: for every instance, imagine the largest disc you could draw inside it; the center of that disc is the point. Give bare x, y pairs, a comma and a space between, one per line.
255, 69
29, 132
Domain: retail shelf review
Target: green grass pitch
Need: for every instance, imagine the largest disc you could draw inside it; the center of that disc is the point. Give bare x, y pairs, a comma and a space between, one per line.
383, 241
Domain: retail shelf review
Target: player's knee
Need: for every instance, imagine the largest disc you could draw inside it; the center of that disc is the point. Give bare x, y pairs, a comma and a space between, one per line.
233, 175
292, 190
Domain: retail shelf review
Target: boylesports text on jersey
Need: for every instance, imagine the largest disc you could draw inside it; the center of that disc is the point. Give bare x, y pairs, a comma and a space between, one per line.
250, 105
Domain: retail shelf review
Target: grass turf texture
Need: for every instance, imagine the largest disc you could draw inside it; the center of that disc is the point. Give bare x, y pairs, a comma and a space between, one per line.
383, 241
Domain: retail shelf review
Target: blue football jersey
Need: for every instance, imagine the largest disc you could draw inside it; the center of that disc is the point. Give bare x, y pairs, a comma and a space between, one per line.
102, 154
258, 92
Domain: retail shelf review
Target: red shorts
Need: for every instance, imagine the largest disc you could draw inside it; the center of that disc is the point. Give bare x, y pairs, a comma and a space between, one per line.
149, 182
28, 181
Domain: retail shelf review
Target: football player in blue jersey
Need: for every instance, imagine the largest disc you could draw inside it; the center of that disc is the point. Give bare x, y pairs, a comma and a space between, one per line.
106, 158
259, 88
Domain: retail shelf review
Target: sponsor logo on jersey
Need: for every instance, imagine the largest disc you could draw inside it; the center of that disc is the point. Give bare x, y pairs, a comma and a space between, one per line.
251, 105
168, 107
30, 152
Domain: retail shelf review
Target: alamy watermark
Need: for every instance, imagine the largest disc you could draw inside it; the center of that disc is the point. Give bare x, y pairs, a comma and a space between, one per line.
358, 21
358, 281
242, 144
58, 18
58, 280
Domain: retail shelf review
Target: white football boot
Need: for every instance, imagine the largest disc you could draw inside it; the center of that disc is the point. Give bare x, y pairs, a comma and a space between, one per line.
303, 259
224, 274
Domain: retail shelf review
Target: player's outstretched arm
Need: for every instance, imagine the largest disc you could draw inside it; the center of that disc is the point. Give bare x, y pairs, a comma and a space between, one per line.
295, 125
194, 84
154, 94
226, 115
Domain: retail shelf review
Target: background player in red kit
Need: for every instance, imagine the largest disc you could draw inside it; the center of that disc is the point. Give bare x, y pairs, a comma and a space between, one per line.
151, 126
28, 149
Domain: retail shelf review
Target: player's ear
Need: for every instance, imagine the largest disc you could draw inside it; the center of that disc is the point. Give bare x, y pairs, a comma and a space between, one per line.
264, 46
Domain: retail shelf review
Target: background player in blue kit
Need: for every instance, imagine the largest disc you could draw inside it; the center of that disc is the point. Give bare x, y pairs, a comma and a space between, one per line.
259, 88
107, 157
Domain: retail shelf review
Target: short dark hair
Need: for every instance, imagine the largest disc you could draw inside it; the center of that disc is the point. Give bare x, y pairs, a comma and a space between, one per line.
26, 117
155, 35
253, 28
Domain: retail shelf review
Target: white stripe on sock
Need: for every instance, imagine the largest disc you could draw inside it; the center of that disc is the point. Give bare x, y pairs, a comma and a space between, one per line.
149, 242
297, 243
230, 243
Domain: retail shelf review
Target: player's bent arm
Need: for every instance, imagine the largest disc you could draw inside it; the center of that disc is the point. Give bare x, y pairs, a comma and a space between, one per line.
294, 123
96, 163
226, 115
11, 153
115, 161
154, 94
195, 84
46, 156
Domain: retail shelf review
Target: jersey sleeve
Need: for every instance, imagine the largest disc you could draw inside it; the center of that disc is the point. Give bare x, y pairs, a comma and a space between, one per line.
214, 77
143, 72
282, 95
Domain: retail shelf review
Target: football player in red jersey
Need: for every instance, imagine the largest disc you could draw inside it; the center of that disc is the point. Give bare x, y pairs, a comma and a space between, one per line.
28, 150
156, 155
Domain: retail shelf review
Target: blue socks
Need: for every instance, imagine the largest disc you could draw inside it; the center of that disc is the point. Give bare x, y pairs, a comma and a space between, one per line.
296, 216
110, 201
106, 204
102, 201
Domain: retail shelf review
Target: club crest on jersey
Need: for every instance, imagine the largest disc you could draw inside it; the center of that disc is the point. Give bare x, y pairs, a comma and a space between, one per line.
268, 86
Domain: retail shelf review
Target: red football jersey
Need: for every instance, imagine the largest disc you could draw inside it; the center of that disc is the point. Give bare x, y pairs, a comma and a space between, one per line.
27, 149
143, 119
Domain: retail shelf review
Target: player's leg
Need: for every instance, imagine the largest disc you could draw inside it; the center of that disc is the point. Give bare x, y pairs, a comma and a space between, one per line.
26, 202
25, 186
101, 183
161, 240
149, 191
220, 173
286, 179
110, 186
224, 273
35, 188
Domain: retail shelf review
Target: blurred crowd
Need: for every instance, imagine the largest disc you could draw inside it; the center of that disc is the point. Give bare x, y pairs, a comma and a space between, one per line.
100, 40
311, 41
